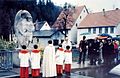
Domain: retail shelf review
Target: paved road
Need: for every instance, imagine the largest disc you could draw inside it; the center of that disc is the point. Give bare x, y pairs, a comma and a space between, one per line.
78, 71
85, 72
96, 72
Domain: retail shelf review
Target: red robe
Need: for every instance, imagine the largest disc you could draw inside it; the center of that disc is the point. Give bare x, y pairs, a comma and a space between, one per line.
36, 71
68, 56
24, 70
59, 67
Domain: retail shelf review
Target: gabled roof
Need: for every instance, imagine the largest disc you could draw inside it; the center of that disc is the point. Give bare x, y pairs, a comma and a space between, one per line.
39, 25
107, 18
72, 17
44, 33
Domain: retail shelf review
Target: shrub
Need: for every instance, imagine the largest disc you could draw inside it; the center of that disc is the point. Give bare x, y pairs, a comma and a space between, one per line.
9, 45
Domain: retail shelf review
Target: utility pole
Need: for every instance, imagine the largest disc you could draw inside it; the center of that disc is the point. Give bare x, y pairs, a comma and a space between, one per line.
66, 13
65, 28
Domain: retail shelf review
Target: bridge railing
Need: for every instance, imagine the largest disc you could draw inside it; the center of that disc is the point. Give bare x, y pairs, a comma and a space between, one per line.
6, 61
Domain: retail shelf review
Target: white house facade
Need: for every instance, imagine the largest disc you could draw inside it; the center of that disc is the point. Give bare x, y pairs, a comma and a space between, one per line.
118, 30
41, 37
93, 32
72, 35
97, 23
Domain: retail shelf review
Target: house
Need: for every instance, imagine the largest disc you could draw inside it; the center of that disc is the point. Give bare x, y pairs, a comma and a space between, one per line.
100, 22
43, 25
73, 16
41, 37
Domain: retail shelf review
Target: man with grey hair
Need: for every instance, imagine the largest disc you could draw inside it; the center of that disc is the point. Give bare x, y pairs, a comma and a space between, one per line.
66, 43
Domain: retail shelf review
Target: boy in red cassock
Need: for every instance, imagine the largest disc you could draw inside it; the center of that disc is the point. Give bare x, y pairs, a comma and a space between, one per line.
24, 57
59, 60
68, 60
35, 62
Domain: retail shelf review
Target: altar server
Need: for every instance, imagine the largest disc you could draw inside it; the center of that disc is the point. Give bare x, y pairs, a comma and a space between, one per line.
35, 61
68, 60
59, 60
24, 57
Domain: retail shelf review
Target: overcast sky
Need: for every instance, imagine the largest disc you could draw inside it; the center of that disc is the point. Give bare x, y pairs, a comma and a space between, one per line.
92, 5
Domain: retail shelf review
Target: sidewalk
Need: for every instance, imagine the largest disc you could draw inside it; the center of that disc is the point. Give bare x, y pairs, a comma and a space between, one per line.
15, 71
75, 65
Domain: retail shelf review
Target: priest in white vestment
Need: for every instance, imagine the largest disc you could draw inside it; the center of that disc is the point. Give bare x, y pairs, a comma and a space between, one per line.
49, 64
66, 43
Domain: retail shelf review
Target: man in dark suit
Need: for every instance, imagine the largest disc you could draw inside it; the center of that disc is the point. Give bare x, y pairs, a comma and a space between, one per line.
82, 49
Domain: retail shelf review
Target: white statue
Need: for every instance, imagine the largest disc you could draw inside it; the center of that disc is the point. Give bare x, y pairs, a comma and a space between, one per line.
24, 27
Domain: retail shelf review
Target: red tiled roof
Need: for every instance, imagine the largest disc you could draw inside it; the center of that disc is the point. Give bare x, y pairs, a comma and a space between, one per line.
71, 18
111, 18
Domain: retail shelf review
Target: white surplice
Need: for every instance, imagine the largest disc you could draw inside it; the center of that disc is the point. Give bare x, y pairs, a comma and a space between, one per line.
60, 56
49, 65
68, 57
24, 59
35, 60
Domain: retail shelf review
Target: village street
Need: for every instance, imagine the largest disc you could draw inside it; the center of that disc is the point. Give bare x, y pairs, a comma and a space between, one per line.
71, 38
90, 72
78, 70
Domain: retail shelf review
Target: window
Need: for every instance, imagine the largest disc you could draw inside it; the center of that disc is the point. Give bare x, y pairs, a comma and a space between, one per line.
94, 30
84, 10
45, 24
80, 17
89, 30
112, 30
55, 42
100, 30
106, 29
37, 40
76, 24
62, 40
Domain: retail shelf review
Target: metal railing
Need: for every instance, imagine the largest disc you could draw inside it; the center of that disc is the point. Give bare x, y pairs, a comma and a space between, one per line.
6, 61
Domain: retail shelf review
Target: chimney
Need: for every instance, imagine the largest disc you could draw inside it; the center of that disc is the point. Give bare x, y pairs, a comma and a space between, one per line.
73, 9
103, 12
117, 9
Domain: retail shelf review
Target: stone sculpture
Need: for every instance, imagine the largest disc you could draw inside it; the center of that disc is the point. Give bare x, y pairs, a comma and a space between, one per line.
24, 28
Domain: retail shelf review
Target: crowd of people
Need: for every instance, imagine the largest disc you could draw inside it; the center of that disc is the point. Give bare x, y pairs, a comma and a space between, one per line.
98, 51
54, 63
